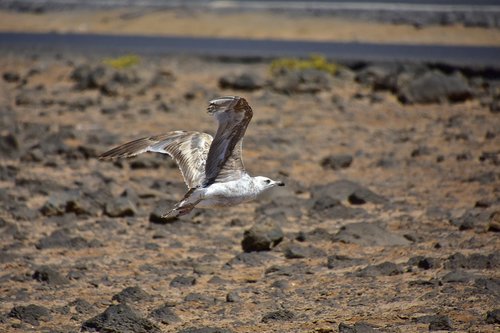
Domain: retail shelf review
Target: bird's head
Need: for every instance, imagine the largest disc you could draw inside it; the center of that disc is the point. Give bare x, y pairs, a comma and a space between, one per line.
265, 183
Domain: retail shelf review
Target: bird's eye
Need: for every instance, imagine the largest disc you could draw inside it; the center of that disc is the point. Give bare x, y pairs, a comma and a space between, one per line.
267, 181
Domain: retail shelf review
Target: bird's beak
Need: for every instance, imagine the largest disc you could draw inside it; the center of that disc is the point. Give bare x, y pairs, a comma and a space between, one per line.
280, 183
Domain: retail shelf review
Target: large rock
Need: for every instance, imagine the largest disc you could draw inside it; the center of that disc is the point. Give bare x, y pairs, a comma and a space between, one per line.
262, 236
244, 81
31, 314
434, 87
119, 318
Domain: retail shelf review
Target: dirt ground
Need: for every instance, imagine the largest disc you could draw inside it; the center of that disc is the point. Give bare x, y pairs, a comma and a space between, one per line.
390, 216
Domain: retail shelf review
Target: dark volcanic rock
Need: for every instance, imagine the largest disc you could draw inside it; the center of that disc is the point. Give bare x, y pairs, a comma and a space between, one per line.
11, 76
440, 323
164, 314
493, 316
473, 261
197, 297
336, 162
49, 275
119, 318
120, 207
131, 294
244, 81
425, 262
488, 286
339, 261
359, 327
472, 219
457, 276
31, 314
81, 306
296, 251
183, 281
9, 145
249, 259
262, 236
385, 268
434, 87
62, 238
369, 234
280, 315
363, 195
233, 297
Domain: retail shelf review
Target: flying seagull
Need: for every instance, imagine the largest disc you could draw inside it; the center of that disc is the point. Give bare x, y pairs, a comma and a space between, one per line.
212, 168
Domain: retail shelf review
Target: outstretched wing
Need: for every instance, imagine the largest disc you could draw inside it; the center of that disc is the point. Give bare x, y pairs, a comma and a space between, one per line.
188, 149
224, 161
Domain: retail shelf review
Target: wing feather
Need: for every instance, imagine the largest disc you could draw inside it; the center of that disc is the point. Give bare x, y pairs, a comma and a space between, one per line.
224, 160
188, 149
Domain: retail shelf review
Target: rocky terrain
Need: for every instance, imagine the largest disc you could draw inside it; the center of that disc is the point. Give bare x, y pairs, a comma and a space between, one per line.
389, 221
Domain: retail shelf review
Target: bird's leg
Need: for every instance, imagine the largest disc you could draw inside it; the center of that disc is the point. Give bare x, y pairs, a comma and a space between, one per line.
180, 209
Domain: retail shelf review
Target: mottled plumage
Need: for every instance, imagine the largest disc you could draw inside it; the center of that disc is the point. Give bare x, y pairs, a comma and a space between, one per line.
212, 167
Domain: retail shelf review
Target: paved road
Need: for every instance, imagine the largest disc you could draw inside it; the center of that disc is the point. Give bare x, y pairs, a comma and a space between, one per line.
242, 48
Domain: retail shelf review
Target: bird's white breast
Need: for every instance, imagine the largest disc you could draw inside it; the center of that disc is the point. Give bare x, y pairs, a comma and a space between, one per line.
229, 193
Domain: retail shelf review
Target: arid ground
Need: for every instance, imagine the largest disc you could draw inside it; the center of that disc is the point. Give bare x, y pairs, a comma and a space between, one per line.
389, 221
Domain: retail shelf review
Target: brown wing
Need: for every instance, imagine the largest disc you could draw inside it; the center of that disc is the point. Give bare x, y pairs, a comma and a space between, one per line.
224, 162
188, 149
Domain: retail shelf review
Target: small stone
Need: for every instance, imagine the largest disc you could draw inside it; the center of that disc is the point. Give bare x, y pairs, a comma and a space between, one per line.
49, 276
440, 323
197, 297
296, 251
493, 316
11, 77
31, 314
280, 315
131, 294
81, 306
359, 327
339, 261
457, 276
233, 297
385, 268
182, 281
120, 207
165, 314
336, 162
262, 237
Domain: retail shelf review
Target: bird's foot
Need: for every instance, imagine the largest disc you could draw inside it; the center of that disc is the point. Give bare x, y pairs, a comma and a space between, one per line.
178, 211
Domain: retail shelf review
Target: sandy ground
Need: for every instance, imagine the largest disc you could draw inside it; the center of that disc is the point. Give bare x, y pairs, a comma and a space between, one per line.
425, 160
433, 168
242, 25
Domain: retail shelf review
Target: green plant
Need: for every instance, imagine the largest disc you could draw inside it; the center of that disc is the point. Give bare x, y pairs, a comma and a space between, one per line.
315, 61
123, 62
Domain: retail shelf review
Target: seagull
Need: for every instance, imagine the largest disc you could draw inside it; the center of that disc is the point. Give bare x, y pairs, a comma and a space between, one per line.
212, 168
